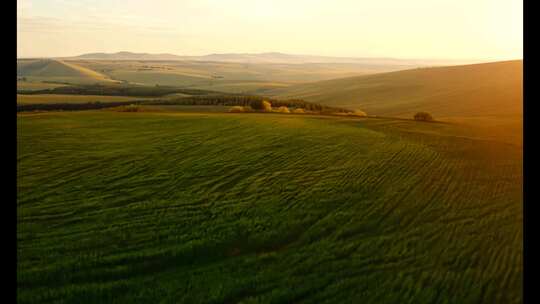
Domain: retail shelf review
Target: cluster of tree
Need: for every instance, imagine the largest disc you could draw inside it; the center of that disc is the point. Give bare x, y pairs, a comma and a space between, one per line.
265, 106
197, 97
253, 101
423, 116
70, 106
118, 90
261, 105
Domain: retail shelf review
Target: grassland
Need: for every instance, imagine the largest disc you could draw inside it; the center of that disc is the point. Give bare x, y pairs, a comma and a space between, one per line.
263, 208
79, 97
120, 90
486, 98
478, 90
231, 77
65, 98
38, 70
33, 86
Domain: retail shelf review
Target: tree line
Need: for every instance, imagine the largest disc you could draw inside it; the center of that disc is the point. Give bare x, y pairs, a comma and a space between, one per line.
71, 106
134, 91
246, 100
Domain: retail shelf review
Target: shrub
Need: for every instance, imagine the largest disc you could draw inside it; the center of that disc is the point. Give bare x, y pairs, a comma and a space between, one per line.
359, 113
256, 104
283, 109
261, 105
267, 106
423, 116
299, 111
129, 108
236, 109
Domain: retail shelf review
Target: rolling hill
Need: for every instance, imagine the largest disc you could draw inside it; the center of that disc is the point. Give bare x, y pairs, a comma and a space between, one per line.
59, 71
277, 57
267, 57
487, 89
152, 69
231, 72
228, 76
128, 56
485, 98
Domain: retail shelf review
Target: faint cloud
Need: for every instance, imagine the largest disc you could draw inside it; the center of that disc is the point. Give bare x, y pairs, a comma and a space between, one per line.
53, 25
24, 7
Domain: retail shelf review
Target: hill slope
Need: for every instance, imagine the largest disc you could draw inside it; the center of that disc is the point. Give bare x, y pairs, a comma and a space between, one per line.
488, 89
268, 57
58, 70
228, 76
128, 56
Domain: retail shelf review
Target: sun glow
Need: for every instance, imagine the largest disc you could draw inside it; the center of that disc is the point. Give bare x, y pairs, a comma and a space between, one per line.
460, 29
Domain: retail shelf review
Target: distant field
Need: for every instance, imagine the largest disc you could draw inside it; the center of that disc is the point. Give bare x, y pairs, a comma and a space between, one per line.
32, 86
38, 70
263, 208
233, 77
60, 98
253, 87
177, 108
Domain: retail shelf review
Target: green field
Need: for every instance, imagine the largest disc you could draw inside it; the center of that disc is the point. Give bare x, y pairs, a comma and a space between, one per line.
484, 98
65, 98
232, 77
264, 208
53, 70
33, 86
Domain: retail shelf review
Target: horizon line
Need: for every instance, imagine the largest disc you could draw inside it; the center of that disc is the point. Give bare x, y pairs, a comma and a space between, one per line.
280, 53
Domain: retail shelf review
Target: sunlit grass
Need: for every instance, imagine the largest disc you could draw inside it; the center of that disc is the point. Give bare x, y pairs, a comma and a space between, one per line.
223, 208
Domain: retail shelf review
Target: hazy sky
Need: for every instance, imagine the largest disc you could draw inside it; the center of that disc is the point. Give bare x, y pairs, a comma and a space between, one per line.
431, 29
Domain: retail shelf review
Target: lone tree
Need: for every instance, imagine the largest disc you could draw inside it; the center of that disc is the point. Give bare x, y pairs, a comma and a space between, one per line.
423, 116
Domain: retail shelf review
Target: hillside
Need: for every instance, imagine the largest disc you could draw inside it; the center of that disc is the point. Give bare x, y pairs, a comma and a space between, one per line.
228, 76
263, 208
57, 70
127, 56
59, 98
488, 89
234, 73
266, 58
276, 57
484, 98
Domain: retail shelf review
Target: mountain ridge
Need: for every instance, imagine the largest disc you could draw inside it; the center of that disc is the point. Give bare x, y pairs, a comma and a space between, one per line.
264, 57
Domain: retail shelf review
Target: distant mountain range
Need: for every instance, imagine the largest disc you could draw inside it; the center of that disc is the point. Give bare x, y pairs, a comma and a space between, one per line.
268, 58
127, 56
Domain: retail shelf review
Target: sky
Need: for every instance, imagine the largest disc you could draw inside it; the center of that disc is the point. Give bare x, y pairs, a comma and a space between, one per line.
412, 29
